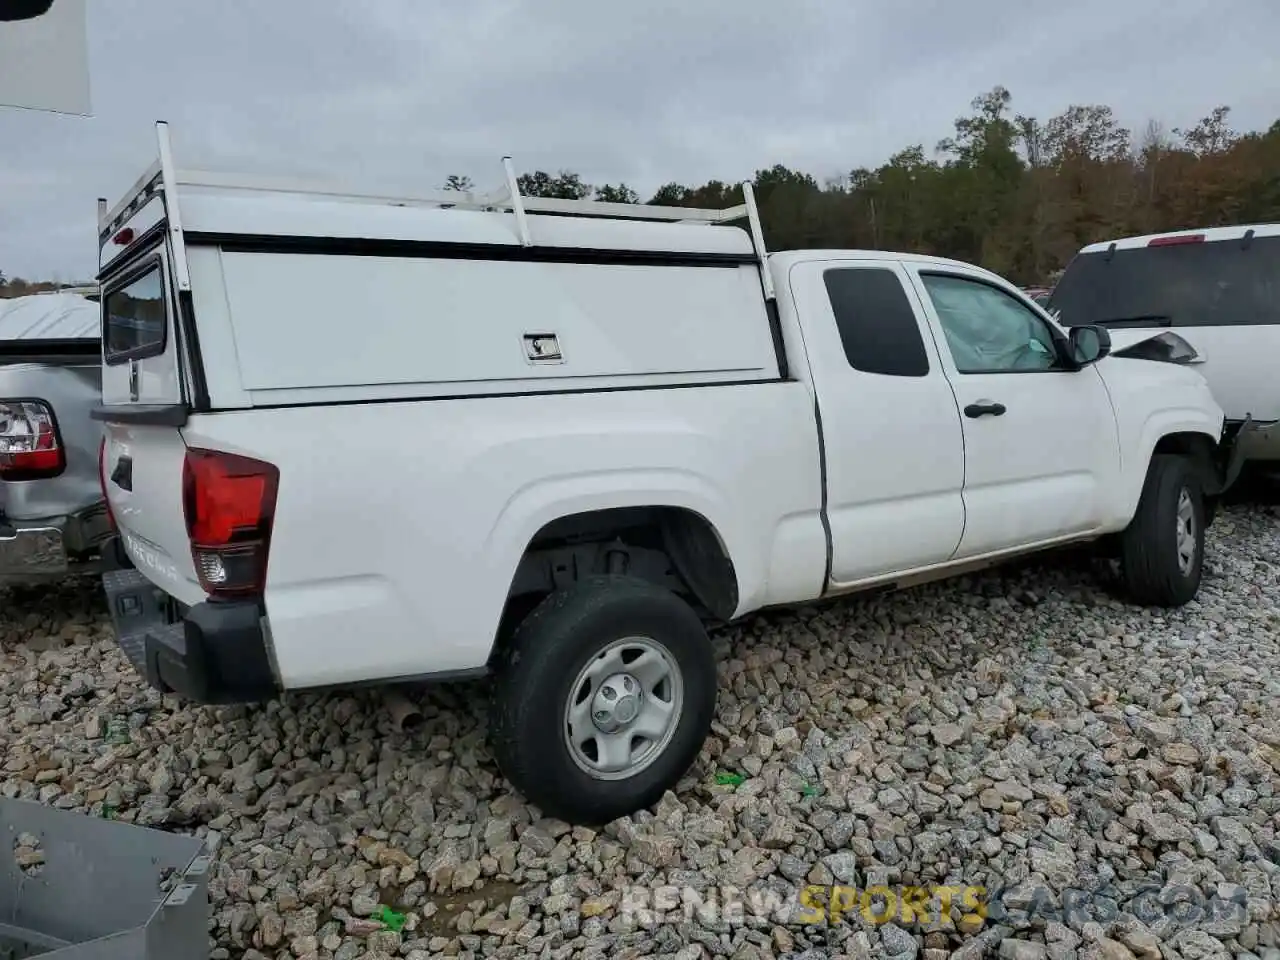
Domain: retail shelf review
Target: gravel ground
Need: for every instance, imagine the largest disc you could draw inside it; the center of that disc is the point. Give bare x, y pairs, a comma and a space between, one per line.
1106, 774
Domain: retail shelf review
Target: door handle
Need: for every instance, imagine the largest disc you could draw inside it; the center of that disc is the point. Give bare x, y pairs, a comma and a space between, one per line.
984, 408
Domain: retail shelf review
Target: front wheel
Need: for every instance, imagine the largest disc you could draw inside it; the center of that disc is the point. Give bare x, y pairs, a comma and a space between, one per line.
602, 699
1162, 551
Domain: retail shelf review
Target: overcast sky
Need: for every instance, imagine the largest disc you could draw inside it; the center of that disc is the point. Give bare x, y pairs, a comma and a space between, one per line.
405, 92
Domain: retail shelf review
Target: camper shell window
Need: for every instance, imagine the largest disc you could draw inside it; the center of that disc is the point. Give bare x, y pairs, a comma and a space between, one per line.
135, 320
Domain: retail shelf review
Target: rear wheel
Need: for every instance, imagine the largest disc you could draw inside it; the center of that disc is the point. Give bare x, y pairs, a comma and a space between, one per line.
602, 699
1162, 551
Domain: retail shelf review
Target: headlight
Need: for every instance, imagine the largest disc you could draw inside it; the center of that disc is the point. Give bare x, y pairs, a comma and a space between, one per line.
1166, 347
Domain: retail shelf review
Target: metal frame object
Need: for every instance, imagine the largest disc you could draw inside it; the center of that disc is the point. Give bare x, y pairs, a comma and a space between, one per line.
101, 892
162, 178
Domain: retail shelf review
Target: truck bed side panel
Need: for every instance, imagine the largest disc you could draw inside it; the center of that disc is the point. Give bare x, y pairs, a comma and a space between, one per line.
405, 521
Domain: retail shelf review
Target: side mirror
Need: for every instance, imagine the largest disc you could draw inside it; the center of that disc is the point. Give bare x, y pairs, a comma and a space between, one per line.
1089, 344
11, 10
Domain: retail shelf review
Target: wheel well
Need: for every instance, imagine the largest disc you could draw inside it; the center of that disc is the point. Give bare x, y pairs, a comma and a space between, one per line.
671, 546
1201, 451
1196, 445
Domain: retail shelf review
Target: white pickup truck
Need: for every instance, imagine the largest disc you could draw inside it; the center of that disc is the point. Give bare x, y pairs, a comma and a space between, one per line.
352, 438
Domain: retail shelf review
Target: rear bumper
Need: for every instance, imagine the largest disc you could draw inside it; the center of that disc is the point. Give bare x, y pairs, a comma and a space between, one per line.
215, 653
35, 550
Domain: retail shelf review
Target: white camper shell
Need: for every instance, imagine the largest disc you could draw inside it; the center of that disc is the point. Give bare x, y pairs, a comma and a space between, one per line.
354, 438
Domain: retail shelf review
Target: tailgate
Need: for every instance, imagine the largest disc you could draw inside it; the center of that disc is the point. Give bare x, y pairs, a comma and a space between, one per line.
142, 471
143, 406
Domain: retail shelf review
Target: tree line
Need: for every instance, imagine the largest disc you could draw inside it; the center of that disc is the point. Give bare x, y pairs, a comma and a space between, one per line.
1011, 192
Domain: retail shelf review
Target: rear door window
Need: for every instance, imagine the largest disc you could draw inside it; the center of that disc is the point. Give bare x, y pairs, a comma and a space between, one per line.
1204, 284
134, 318
877, 326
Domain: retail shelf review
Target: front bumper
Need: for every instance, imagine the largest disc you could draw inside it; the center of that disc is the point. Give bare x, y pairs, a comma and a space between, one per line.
37, 550
213, 652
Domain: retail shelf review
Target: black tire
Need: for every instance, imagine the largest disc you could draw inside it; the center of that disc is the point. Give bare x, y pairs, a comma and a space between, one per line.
1149, 557
536, 671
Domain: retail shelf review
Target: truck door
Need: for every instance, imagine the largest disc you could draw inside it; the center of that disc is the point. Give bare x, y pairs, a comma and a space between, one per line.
1040, 438
890, 428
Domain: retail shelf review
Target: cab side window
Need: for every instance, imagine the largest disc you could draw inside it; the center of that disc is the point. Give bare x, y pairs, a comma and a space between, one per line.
989, 331
878, 328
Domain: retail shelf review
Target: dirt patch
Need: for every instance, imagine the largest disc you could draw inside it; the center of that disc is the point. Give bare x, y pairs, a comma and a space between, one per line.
449, 906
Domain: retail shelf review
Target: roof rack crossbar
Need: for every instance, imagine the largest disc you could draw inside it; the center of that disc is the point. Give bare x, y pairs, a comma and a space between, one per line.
458, 200
163, 179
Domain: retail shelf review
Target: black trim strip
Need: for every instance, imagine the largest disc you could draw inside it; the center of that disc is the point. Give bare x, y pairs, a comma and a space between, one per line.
824, 512
567, 391
432, 249
775, 328
191, 338
53, 352
141, 414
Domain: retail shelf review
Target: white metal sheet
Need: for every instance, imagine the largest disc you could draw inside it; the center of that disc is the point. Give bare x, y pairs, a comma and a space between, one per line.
44, 62
49, 316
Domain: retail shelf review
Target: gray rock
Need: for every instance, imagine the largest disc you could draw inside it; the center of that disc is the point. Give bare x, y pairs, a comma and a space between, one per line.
1022, 950
897, 942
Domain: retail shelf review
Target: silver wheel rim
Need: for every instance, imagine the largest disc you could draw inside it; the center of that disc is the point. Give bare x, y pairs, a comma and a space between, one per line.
623, 708
1186, 541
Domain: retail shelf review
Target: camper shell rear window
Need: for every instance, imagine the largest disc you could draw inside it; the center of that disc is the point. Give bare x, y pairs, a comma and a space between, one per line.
1203, 284
135, 317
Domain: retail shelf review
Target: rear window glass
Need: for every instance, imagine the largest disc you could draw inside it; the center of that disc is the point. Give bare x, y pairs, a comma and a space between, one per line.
134, 319
1206, 284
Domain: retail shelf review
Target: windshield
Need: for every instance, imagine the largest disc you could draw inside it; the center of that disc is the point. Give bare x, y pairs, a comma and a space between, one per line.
1220, 283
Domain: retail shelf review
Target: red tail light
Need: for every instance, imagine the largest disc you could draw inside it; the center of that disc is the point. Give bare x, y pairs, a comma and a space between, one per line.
230, 503
29, 445
1175, 240
102, 480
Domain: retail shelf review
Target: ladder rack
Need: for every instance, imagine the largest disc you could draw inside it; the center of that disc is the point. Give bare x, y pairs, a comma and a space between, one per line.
163, 179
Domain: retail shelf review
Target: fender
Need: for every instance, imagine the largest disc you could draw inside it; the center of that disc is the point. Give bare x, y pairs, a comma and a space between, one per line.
1157, 426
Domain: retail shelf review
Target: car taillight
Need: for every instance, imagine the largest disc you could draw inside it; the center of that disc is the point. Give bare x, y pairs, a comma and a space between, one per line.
230, 503
102, 480
1175, 240
29, 444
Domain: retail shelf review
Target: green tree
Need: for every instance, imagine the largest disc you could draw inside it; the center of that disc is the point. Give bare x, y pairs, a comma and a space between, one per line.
561, 186
619, 194
1211, 135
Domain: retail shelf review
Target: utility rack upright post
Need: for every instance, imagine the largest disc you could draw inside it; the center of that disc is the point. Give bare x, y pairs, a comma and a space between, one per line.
163, 179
